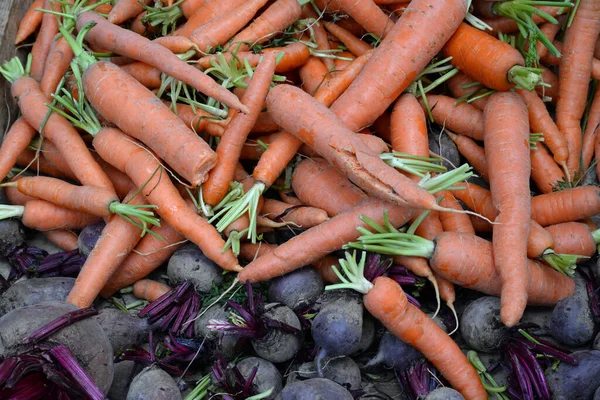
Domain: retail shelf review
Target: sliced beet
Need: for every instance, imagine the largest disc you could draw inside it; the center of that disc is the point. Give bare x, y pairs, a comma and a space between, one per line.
153, 383
279, 346
189, 263
481, 326
314, 389
298, 290
267, 375
28, 292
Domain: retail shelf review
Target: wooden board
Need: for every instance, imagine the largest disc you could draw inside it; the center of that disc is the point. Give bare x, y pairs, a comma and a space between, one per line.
11, 12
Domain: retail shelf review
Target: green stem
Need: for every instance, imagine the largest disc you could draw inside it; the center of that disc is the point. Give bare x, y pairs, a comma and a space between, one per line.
201, 389
7, 211
14, 69
525, 77
234, 241
139, 212
596, 236
446, 180
401, 244
563, 263
84, 59
353, 274
417, 166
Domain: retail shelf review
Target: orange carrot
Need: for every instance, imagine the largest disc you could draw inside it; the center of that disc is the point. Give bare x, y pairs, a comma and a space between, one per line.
318, 33
551, 79
329, 90
462, 84
506, 139
149, 290
129, 156
544, 171
31, 160
199, 120
145, 74
304, 217
57, 64
51, 153
565, 206
367, 14
454, 222
549, 30
409, 127
149, 254
44, 39
387, 302
462, 118
127, 43
324, 265
64, 239
574, 238
231, 143
313, 74
472, 152
539, 241
126, 9
14, 143
116, 241
250, 251
30, 22
394, 66
355, 45
589, 137
575, 71
209, 11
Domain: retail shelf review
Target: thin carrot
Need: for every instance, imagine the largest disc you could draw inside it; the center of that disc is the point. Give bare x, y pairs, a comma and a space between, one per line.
454, 222
32, 103
126, 9
313, 75
145, 74
231, 143
324, 265
506, 139
129, 156
395, 63
509, 25
539, 241
367, 14
589, 136
304, 217
566, 205
575, 71
150, 253
550, 91
462, 118
355, 45
209, 11
574, 238
57, 64
549, 30
199, 120
544, 171
30, 22
33, 162
43, 41
116, 241
149, 290
472, 152
250, 251
318, 33
65, 239
127, 43
462, 84
51, 153
409, 127
14, 143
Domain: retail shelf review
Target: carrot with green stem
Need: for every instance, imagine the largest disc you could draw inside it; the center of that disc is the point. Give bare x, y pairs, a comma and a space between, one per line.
157, 126
387, 302
544, 171
30, 22
575, 70
121, 41
464, 88
575, 238
32, 103
116, 241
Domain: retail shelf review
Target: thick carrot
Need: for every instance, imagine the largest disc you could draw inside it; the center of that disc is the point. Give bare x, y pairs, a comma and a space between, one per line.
565, 206
231, 143
251, 251
575, 71
150, 253
544, 171
130, 44
321, 240
14, 143
336, 143
66, 240
149, 290
454, 222
126, 9
472, 152
43, 41
574, 238
367, 14
409, 127
320, 185
218, 31
32, 103
550, 59
541, 122
127, 155
539, 241
402, 54
462, 84
506, 139
116, 241
313, 75
305, 217
355, 45
145, 74
30, 22
209, 11
273, 21
589, 136
387, 302
462, 118
294, 56
57, 64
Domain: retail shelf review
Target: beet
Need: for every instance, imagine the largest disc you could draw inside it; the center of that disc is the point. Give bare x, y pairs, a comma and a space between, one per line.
28, 292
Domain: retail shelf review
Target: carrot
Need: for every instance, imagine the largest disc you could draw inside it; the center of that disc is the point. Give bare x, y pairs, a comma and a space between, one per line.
367, 14
597, 152
273, 21
355, 45
318, 33
549, 30
575, 71
494, 63
44, 39
58, 62
565, 206
462, 84
454, 222
472, 152
551, 79
402, 54
142, 167
66, 240
251, 251
448, 294
409, 127
30, 22
289, 197
31, 160
253, 150
198, 120
218, 31
116, 241
32, 103
352, 26
304, 217
127, 43
333, 141
321, 240
14, 143
386, 301
313, 75
506, 139
589, 136
550, 59
541, 121
539, 241
509, 25
145, 74
544, 171
231, 143
294, 56
51, 153
325, 266
126, 9
462, 118
574, 238
150, 253
209, 11
149, 290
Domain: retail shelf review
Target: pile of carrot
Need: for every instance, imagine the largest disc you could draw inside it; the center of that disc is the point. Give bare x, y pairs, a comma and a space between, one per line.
195, 120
